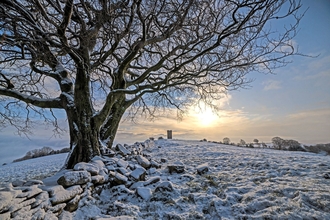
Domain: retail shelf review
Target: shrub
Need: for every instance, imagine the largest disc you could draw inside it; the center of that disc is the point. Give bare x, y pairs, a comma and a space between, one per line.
318, 148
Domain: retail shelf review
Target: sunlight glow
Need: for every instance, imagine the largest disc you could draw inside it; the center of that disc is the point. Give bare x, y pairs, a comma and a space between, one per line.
205, 116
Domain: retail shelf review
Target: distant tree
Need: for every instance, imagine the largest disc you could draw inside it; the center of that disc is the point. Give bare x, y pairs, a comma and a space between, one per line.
293, 145
277, 142
242, 142
256, 141
226, 140
96, 59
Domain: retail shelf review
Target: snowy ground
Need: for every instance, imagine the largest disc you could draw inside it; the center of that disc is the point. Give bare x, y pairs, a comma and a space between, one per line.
241, 183
37, 168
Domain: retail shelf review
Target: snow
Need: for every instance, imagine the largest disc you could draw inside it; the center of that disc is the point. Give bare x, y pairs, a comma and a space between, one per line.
37, 168
218, 182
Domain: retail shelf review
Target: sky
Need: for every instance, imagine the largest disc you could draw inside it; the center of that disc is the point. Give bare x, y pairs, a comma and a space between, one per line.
293, 103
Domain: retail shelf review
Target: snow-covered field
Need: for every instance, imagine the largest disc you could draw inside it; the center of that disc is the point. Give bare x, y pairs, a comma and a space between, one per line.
241, 183
37, 168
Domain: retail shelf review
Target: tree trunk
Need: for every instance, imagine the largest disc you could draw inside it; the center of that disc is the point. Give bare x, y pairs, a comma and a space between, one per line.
84, 132
110, 127
86, 144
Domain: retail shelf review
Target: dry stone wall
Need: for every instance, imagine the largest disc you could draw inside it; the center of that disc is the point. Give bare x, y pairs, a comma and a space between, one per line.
123, 165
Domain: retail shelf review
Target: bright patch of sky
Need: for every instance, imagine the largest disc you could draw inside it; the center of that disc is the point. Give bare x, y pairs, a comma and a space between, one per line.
292, 103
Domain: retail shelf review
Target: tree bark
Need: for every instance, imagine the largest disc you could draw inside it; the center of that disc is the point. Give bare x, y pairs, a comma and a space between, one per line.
110, 127
84, 132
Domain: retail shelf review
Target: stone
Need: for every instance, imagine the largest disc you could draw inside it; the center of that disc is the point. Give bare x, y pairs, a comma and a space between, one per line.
144, 162
135, 185
155, 164
152, 180
122, 170
177, 167
72, 205
40, 199
57, 208
98, 179
144, 192
39, 214
5, 216
89, 167
18, 206
138, 174
326, 176
122, 163
123, 217
52, 190
202, 169
118, 178
18, 183
5, 200
122, 150
164, 186
66, 195
74, 178
22, 213
33, 182
28, 192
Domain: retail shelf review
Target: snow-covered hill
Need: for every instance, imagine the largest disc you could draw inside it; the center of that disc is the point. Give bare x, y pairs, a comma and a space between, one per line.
241, 183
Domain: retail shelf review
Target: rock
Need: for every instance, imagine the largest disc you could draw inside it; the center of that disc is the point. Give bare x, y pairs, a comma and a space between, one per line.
326, 176
152, 171
41, 200
122, 163
39, 214
74, 178
163, 160
177, 167
122, 170
5, 200
111, 168
123, 217
17, 206
28, 192
57, 208
203, 168
89, 167
164, 186
22, 213
122, 150
144, 162
98, 179
108, 152
66, 195
5, 216
18, 183
152, 180
118, 178
138, 174
52, 190
135, 185
33, 182
144, 192
72, 205
155, 164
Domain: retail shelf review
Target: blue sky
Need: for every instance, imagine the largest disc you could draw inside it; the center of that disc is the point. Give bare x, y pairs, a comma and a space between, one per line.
293, 103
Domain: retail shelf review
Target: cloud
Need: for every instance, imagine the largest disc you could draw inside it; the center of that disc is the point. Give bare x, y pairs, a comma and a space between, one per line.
272, 85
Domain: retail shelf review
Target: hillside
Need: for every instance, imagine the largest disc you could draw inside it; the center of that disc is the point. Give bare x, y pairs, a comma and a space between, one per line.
217, 182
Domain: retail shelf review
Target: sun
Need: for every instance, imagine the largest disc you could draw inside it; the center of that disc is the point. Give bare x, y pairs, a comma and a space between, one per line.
205, 116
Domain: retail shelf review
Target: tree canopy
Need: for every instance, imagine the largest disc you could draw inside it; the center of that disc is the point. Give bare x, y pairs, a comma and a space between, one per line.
96, 59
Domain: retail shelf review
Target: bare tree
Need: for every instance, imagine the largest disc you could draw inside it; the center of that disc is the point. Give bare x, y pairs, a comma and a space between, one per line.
96, 59
226, 140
